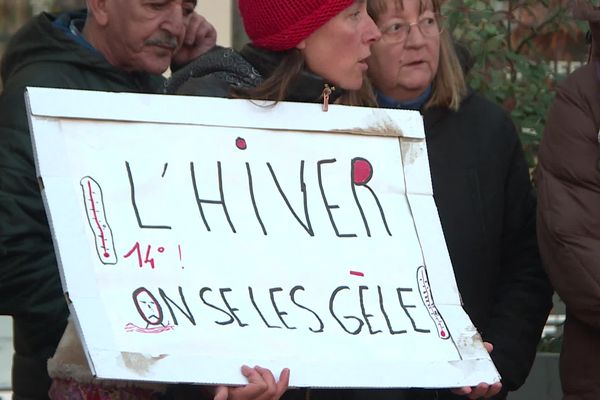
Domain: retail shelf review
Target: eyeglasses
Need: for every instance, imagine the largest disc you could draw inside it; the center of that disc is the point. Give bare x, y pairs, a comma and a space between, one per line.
430, 26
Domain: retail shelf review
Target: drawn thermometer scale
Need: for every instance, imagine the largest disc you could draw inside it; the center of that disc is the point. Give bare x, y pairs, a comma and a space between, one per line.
96, 215
427, 297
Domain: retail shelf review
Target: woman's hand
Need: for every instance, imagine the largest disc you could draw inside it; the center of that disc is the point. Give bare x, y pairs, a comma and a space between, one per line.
261, 386
484, 390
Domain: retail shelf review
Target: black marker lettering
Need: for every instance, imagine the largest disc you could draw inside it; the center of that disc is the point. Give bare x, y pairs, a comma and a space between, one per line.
253, 198
307, 226
293, 298
406, 307
280, 314
229, 321
366, 316
251, 293
387, 319
331, 300
199, 201
231, 309
328, 206
168, 301
134, 203
360, 209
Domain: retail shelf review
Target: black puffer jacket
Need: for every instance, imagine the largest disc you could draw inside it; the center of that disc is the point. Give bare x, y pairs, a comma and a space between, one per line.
223, 69
487, 208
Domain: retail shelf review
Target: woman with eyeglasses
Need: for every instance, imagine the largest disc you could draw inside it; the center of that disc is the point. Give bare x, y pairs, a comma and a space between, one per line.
481, 187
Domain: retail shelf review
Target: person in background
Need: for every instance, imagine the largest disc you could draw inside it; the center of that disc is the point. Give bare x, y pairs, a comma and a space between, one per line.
481, 187
116, 45
568, 181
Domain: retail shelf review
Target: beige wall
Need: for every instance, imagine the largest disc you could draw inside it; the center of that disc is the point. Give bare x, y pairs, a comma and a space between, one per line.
218, 12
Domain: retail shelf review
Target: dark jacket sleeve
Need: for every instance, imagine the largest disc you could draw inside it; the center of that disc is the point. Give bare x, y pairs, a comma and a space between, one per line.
29, 278
523, 295
569, 191
30, 285
207, 85
487, 209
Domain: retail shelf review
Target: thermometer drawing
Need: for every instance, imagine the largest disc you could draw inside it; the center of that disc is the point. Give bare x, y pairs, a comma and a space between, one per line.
427, 297
96, 215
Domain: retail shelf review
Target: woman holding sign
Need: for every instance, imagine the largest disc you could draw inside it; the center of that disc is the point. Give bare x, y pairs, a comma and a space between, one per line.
308, 51
305, 51
481, 187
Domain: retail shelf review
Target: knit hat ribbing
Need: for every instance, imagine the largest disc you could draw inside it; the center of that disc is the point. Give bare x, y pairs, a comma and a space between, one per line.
281, 24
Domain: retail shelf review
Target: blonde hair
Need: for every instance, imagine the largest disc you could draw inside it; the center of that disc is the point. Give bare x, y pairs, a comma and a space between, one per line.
449, 85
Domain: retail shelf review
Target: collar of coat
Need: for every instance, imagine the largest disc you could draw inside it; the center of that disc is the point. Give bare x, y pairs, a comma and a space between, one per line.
308, 87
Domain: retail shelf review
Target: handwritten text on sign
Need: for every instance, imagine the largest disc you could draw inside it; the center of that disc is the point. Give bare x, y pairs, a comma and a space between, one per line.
239, 246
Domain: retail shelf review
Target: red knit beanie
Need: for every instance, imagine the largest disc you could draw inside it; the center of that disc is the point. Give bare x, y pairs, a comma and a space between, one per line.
282, 24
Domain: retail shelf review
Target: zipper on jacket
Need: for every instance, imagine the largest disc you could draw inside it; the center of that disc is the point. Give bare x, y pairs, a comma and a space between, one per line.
325, 95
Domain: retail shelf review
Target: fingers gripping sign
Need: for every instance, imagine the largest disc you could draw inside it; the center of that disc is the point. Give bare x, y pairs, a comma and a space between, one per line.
200, 37
261, 386
483, 390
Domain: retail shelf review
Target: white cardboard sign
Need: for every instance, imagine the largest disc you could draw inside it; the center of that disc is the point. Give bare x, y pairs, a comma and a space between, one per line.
195, 235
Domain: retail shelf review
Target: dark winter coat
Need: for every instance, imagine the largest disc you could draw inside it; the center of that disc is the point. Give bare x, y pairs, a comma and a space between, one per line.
223, 69
30, 290
487, 209
568, 179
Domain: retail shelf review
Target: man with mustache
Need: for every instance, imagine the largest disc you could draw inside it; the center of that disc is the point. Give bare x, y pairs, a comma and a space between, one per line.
116, 45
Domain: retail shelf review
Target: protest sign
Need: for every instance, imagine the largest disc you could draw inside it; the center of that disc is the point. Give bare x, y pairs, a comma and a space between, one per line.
195, 235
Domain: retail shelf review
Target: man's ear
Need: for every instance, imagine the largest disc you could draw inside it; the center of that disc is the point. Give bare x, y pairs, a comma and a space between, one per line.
98, 10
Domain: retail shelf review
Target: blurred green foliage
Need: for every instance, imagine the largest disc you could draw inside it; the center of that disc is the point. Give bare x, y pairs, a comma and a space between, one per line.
512, 43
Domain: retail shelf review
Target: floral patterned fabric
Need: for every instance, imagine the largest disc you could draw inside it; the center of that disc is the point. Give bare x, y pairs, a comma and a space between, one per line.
63, 389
